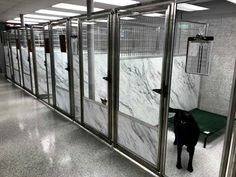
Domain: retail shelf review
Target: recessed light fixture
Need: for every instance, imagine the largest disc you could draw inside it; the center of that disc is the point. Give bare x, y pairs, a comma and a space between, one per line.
17, 21
54, 12
233, 1
117, 2
31, 20
42, 17
154, 15
127, 18
74, 7
101, 20
190, 7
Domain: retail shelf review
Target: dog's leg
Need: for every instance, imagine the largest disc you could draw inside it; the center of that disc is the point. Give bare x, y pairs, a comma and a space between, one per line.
190, 162
179, 149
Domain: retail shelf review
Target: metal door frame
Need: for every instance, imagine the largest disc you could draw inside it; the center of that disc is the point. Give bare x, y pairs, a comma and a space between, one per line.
34, 59
7, 45
13, 32
165, 81
69, 66
96, 15
19, 31
229, 136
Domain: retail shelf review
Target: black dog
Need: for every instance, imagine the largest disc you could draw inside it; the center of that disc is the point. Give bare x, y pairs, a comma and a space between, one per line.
186, 133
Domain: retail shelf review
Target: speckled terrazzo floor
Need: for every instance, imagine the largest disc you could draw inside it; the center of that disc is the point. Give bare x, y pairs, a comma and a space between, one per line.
37, 142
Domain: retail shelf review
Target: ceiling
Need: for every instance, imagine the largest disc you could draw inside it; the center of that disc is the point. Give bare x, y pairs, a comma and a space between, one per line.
10, 9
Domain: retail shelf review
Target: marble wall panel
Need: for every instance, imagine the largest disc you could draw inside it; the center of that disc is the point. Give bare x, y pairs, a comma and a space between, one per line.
14, 57
6, 52
100, 65
41, 70
138, 136
62, 80
8, 72
139, 76
27, 81
77, 87
25, 62
62, 99
96, 115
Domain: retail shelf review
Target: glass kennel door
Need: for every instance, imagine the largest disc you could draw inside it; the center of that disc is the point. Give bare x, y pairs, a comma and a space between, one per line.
94, 40
7, 55
43, 65
15, 55
61, 66
25, 58
142, 41
74, 40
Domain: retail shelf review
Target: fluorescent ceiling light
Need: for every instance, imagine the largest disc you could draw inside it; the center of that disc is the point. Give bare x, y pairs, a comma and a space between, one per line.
190, 7
74, 7
117, 2
233, 1
101, 21
153, 15
42, 17
127, 18
31, 20
17, 21
54, 12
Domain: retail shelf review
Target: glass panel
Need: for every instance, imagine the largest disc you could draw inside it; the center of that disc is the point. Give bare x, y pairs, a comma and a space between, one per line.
95, 58
29, 42
41, 64
200, 102
48, 64
61, 67
76, 70
15, 57
141, 55
25, 59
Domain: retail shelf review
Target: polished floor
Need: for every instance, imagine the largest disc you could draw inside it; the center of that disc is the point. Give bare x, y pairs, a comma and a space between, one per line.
37, 142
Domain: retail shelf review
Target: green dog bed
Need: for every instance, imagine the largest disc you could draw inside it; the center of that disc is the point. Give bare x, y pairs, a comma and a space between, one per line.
210, 124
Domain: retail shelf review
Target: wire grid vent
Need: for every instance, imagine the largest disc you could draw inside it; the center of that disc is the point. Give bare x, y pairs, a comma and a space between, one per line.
141, 37
198, 55
38, 38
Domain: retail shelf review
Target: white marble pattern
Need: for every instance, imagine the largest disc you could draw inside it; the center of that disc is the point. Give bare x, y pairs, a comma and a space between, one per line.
41, 70
77, 87
137, 79
14, 57
139, 76
27, 81
96, 115
6, 50
62, 97
138, 137
100, 64
62, 80
26, 68
25, 62
8, 72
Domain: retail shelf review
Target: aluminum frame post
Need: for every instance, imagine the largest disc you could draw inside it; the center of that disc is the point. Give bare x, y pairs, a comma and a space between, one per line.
90, 49
229, 128
166, 86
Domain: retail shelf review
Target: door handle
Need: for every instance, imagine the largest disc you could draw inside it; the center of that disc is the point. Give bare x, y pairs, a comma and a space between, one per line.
157, 91
45, 64
107, 79
67, 68
104, 101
